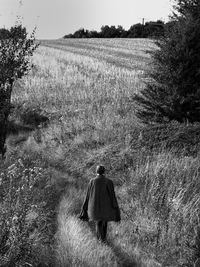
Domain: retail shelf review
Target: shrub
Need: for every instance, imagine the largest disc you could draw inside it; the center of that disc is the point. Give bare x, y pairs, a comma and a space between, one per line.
15, 52
25, 215
172, 91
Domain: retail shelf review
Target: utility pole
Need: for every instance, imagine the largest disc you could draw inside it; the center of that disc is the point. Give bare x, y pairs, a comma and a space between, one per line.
143, 20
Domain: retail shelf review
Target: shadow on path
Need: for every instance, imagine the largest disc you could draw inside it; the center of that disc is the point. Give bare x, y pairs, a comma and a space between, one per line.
123, 259
26, 120
17, 128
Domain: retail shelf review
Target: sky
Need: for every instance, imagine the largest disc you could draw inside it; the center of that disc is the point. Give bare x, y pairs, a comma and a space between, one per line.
55, 18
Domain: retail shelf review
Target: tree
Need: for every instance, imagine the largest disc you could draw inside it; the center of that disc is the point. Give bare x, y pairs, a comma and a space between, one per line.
120, 31
154, 29
113, 32
105, 31
94, 34
136, 31
172, 90
81, 33
15, 51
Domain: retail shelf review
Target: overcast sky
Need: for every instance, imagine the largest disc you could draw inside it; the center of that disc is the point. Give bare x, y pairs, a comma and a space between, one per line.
55, 18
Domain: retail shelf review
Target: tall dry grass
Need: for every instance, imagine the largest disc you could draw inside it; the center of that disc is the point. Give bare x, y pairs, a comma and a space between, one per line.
166, 190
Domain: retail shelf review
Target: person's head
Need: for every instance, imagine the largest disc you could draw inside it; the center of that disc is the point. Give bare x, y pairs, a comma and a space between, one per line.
100, 170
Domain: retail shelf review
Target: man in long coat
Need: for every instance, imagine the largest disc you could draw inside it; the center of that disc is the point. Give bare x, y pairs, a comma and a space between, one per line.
100, 204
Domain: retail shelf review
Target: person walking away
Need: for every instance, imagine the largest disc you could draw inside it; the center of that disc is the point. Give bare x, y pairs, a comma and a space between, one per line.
100, 204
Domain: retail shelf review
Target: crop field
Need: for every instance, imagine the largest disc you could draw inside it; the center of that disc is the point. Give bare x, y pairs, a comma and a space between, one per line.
84, 89
124, 53
85, 83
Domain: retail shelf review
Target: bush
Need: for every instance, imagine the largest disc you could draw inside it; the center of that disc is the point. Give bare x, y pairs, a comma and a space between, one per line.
25, 215
15, 52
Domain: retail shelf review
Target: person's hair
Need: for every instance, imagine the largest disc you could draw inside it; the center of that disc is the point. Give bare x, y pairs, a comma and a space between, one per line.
100, 169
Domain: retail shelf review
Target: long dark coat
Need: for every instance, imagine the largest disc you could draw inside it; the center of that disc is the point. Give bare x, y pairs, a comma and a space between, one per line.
100, 203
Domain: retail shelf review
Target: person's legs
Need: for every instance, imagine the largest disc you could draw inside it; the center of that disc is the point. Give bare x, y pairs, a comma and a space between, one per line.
104, 230
98, 229
101, 230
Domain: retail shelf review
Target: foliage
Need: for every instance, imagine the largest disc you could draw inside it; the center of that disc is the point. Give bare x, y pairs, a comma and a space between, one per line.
150, 29
24, 209
172, 90
15, 52
4, 33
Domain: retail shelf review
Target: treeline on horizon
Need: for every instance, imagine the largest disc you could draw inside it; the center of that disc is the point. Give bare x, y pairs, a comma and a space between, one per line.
151, 29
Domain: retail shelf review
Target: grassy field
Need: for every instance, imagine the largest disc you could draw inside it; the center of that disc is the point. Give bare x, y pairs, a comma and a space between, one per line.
84, 88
